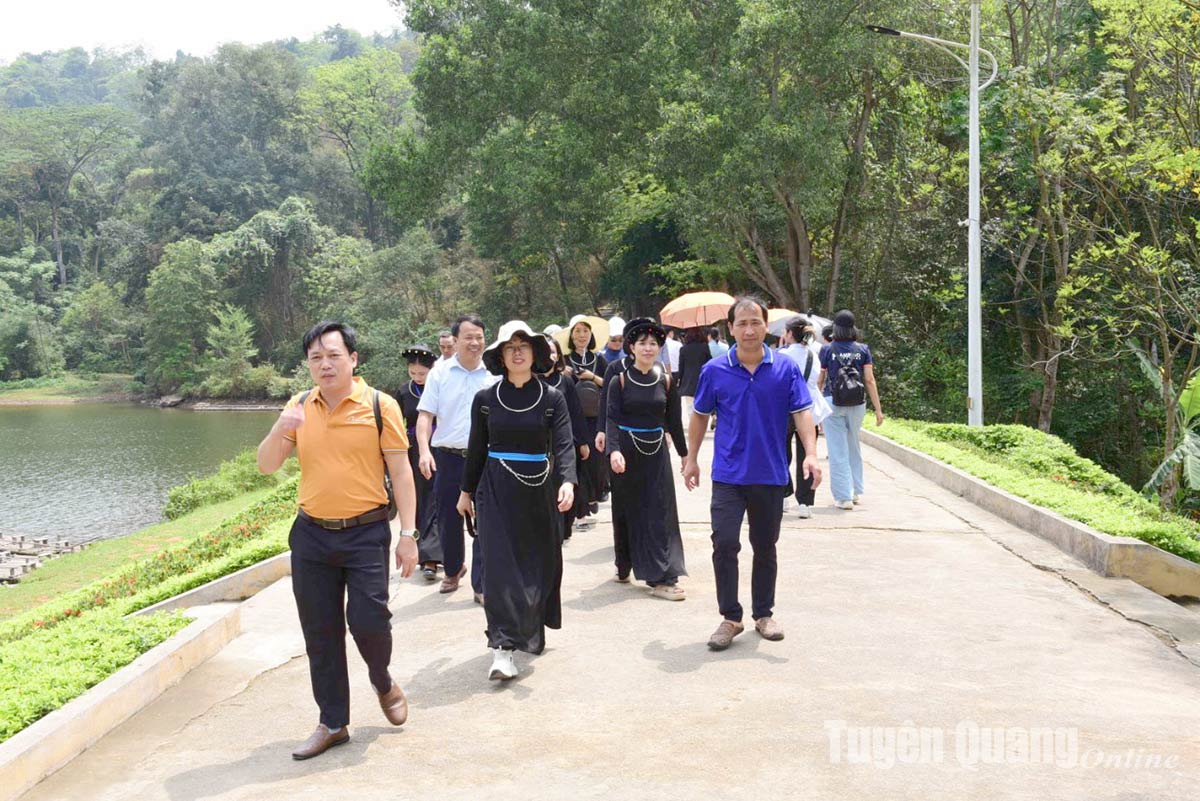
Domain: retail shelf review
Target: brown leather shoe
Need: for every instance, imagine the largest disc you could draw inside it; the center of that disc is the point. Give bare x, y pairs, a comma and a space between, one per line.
768, 628
394, 705
722, 638
321, 741
450, 583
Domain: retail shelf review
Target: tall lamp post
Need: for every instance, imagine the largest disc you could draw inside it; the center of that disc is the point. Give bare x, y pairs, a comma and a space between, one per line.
974, 316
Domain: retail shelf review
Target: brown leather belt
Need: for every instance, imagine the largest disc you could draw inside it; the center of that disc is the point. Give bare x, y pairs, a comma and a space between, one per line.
373, 516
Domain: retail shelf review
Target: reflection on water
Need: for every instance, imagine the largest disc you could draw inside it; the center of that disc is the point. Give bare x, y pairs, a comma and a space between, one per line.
90, 471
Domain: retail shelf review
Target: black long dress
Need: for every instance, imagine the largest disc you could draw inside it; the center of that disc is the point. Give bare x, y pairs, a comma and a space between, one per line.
619, 526
591, 474
644, 495
429, 545
516, 507
565, 383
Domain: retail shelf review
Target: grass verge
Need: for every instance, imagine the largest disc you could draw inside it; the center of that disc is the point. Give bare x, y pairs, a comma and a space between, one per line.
40, 674
67, 388
1048, 472
67, 573
52, 653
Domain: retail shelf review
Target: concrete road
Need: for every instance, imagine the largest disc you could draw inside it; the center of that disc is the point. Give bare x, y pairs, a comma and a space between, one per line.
932, 652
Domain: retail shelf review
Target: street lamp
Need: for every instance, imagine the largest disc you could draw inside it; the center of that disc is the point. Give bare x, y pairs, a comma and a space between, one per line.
974, 317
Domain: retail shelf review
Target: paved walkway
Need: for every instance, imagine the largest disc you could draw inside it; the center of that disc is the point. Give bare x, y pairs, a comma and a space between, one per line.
916, 610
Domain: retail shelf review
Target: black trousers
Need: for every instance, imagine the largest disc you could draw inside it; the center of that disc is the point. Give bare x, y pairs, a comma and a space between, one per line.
341, 577
731, 503
804, 492
447, 484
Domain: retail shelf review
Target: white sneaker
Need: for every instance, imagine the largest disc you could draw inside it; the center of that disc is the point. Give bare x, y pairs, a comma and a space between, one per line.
803, 512
788, 503
844, 504
855, 500
503, 666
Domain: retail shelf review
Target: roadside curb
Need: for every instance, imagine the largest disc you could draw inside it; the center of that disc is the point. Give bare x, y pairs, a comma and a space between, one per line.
1122, 557
52, 742
245, 583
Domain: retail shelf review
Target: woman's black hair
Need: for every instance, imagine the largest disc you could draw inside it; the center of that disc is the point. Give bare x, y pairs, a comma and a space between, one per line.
742, 301
695, 335
827, 333
558, 363
314, 334
798, 327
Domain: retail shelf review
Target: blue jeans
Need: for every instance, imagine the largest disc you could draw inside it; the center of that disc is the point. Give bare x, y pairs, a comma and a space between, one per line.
845, 455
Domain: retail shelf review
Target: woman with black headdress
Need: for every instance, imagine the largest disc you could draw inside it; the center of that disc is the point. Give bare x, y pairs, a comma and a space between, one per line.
520, 476
429, 547
560, 378
643, 407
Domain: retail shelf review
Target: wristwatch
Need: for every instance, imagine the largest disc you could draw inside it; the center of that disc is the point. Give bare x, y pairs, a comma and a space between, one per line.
411, 532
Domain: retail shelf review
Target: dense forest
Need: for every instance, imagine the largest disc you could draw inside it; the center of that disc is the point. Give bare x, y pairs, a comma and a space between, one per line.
185, 220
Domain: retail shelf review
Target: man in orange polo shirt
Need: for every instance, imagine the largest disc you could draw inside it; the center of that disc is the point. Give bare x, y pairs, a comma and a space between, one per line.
341, 537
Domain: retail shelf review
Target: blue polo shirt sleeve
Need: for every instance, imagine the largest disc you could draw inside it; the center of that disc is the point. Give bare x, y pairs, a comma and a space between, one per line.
866, 354
824, 357
799, 397
705, 400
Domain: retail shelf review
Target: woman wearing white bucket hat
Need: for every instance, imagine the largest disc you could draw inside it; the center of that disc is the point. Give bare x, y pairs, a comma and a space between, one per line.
579, 340
519, 476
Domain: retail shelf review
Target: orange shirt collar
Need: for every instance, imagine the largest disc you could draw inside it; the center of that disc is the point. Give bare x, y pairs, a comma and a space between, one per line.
356, 393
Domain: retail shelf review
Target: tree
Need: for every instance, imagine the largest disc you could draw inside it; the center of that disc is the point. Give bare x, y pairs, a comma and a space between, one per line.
179, 303
56, 146
98, 332
223, 138
357, 104
264, 264
227, 363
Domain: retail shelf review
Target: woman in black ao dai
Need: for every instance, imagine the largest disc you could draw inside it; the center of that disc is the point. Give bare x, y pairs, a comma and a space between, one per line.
643, 407
520, 476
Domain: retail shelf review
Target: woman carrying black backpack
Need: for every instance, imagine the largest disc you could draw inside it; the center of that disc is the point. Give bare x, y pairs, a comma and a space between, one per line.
847, 378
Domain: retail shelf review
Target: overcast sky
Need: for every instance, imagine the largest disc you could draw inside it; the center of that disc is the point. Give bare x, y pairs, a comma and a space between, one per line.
164, 26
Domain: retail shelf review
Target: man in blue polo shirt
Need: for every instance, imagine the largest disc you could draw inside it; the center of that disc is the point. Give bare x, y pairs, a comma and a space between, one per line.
753, 393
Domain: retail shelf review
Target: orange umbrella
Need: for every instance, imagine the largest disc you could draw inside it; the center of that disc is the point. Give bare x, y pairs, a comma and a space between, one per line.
695, 309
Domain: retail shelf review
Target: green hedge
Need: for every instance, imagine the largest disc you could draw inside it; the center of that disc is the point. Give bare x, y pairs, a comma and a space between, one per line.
1048, 472
254, 534
233, 478
41, 672
53, 653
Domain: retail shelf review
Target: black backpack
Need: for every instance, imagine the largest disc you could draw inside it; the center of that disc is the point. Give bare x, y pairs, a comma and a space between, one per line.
848, 388
387, 479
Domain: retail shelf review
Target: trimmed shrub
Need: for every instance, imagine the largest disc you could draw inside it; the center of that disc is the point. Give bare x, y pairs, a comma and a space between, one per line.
40, 673
173, 570
234, 477
1048, 472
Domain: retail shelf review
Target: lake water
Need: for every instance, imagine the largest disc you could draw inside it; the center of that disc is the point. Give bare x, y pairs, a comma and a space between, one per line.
94, 471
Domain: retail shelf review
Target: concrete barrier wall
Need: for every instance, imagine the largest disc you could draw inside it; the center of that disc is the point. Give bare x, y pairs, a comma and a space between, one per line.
246, 583
48, 744
1157, 570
